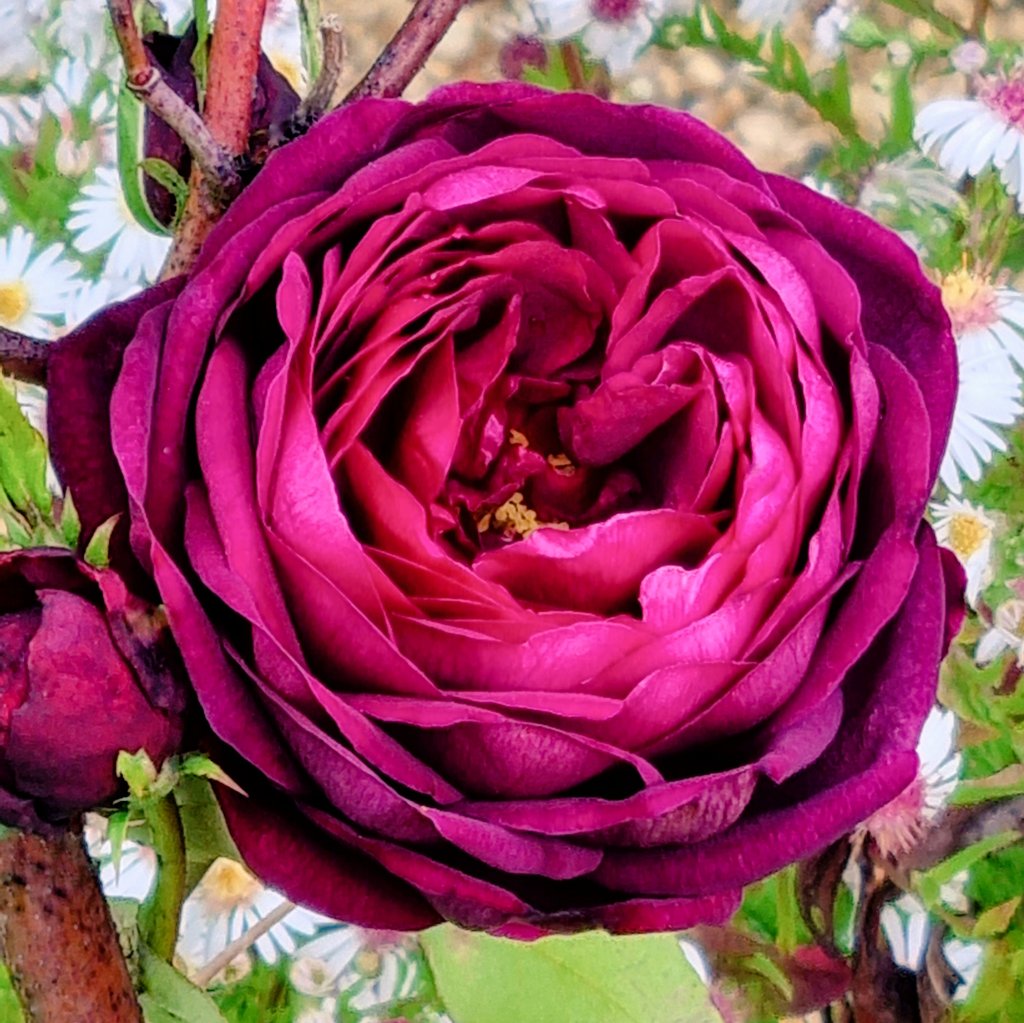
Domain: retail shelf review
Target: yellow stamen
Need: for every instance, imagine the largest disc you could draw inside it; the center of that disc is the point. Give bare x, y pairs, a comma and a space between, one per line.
14, 302
518, 439
562, 464
969, 299
967, 534
515, 518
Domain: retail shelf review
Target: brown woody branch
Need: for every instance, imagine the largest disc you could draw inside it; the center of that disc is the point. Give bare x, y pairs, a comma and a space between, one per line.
234, 59
23, 357
407, 52
332, 42
146, 82
56, 934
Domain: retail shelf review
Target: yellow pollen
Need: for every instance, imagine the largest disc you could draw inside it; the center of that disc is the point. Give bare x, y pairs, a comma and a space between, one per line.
14, 302
228, 885
518, 439
515, 518
562, 464
967, 533
969, 299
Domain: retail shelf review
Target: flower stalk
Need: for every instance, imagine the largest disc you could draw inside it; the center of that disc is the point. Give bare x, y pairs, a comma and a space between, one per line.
53, 919
161, 912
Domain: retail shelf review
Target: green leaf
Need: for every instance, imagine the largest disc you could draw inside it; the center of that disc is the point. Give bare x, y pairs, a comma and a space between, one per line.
10, 1005
593, 977
70, 523
97, 551
309, 22
137, 769
164, 174
201, 766
130, 113
1001, 785
996, 919
206, 834
22, 457
168, 997
929, 882
117, 828
201, 54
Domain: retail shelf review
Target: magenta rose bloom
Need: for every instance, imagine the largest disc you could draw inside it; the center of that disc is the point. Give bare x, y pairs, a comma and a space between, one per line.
86, 670
535, 490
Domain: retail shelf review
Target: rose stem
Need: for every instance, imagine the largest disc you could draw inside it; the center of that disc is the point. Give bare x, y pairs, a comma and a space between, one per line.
407, 52
146, 82
23, 357
56, 934
332, 44
160, 914
574, 69
245, 940
234, 59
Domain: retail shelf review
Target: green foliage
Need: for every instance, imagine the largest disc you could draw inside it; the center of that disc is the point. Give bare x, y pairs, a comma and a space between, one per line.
164, 174
130, 115
581, 979
10, 1006
206, 834
168, 997
264, 995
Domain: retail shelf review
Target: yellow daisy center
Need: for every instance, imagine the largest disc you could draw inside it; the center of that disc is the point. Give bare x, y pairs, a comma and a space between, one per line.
967, 534
970, 301
228, 885
367, 962
14, 302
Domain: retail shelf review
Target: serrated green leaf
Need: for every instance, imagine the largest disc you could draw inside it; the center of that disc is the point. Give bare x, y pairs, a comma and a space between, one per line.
15, 528
97, 551
590, 977
138, 771
70, 523
22, 457
168, 997
130, 113
206, 834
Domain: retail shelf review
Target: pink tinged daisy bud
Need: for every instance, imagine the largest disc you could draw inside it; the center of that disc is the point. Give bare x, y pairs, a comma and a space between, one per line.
969, 57
522, 52
615, 10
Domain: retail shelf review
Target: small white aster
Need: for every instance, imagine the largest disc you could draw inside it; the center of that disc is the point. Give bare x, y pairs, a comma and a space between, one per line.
101, 217
906, 926
766, 14
969, 135
1006, 633
969, 57
19, 22
325, 1012
910, 182
967, 531
899, 825
33, 287
66, 97
829, 27
93, 296
373, 968
132, 877
81, 30
224, 905
19, 119
985, 323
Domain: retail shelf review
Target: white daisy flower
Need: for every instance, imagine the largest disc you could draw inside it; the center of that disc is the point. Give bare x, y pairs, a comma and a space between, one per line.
132, 877
374, 968
101, 217
19, 119
986, 323
65, 96
900, 824
694, 955
224, 905
969, 135
829, 27
281, 41
766, 14
967, 531
81, 30
33, 288
93, 296
1006, 633
910, 182
325, 1012
906, 926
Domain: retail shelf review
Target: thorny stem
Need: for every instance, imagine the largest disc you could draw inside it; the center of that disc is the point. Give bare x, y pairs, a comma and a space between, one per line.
244, 941
23, 357
56, 934
146, 82
407, 52
332, 42
234, 59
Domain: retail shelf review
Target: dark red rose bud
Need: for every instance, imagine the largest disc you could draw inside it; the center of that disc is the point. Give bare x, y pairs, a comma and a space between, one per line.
519, 53
274, 102
86, 670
